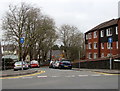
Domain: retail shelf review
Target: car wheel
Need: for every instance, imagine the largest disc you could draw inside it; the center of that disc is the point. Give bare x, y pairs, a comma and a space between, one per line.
15, 70
60, 67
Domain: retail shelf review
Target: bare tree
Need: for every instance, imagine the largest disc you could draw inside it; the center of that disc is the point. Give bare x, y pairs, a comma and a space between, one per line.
27, 22
14, 24
72, 39
48, 37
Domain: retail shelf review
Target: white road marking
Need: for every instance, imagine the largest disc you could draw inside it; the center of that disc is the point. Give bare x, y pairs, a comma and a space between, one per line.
77, 71
82, 75
70, 76
54, 76
41, 76
95, 75
65, 70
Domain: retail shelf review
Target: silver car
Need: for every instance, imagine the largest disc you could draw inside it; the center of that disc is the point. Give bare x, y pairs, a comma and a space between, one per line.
18, 65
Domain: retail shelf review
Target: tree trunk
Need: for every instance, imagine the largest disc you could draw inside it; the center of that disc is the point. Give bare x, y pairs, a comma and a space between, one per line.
50, 54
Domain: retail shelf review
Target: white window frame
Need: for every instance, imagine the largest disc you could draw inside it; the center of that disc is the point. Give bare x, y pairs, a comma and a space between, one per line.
89, 55
89, 45
86, 36
102, 45
116, 28
102, 33
102, 55
95, 34
90, 35
108, 45
109, 32
95, 45
116, 44
95, 55
108, 55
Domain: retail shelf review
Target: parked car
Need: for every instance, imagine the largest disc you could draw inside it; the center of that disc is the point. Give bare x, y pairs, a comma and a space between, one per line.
65, 64
34, 64
51, 64
56, 64
18, 65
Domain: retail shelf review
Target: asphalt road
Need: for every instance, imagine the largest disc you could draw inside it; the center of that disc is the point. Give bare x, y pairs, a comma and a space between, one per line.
62, 79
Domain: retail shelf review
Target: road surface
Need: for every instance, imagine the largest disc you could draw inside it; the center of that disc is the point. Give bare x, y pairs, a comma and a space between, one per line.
62, 79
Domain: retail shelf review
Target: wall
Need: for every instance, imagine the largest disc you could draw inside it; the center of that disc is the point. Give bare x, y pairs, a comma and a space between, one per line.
103, 64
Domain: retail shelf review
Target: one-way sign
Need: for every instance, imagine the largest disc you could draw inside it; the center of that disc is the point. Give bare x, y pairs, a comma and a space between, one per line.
21, 40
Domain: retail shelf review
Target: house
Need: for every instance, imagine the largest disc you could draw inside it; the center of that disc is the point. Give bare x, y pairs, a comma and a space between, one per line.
96, 40
9, 49
55, 54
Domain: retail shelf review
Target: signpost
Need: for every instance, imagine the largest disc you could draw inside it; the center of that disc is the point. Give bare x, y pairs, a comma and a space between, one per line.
110, 40
22, 41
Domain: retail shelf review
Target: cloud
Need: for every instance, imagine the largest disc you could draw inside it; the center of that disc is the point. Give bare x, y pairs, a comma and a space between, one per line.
85, 14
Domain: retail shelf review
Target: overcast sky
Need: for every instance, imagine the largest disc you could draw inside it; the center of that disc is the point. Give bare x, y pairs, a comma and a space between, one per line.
84, 14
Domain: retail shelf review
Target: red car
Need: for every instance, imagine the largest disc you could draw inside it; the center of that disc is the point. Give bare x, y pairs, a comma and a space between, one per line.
34, 64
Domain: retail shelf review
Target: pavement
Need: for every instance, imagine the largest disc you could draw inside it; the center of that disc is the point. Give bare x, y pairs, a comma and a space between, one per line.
100, 70
61, 79
8, 73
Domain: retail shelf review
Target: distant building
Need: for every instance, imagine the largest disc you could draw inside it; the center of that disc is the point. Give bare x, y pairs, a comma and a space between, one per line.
55, 54
13, 57
9, 49
96, 40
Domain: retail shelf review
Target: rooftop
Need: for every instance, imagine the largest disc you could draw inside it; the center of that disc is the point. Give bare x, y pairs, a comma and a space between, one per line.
104, 25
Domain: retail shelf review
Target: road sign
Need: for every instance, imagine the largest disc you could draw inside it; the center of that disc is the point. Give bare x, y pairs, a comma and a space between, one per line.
110, 40
22, 40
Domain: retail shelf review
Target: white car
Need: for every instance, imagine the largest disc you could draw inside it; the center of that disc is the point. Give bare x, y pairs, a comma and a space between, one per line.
51, 64
18, 65
56, 64
34, 64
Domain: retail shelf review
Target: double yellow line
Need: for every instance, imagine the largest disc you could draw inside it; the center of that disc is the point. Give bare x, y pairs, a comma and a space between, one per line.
40, 72
106, 73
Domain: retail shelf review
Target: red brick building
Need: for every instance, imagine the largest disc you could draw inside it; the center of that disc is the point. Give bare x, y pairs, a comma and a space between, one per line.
96, 40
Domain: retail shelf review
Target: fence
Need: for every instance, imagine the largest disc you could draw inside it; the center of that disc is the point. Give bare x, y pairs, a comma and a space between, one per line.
7, 63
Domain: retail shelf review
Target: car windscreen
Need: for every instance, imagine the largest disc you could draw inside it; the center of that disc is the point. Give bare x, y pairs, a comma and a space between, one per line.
19, 63
65, 61
57, 61
34, 62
